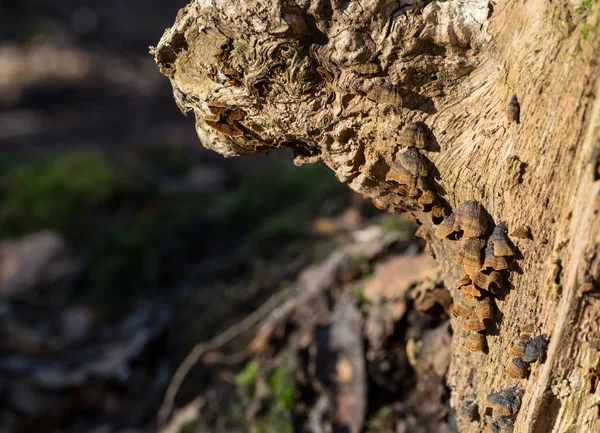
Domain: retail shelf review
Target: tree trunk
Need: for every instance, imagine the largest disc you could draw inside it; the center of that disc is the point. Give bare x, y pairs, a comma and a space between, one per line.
339, 81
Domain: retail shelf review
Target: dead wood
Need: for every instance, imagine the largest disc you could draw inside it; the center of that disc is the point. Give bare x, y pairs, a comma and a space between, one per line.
338, 82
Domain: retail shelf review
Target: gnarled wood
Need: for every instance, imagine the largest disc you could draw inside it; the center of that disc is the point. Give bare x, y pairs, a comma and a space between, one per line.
338, 81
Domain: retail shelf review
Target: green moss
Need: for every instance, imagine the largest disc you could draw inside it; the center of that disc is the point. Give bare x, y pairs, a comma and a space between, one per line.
56, 193
189, 427
382, 421
585, 31
361, 298
586, 7
275, 189
394, 223
281, 382
359, 263
140, 238
324, 248
275, 415
247, 377
168, 160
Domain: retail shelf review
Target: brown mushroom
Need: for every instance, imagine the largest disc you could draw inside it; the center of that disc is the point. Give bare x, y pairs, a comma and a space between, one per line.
471, 219
459, 310
501, 243
414, 135
473, 324
470, 255
517, 369
497, 263
412, 160
446, 227
518, 350
485, 309
475, 343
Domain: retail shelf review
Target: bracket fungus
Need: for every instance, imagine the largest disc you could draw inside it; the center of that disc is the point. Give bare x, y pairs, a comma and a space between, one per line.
413, 161
459, 310
446, 227
536, 348
473, 324
471, 219
517, 369
501, 242
485, 309
470, 255
475, 343
491, 282
506, 402
415, 134
497, 263
471, 291
518, 350
399, 174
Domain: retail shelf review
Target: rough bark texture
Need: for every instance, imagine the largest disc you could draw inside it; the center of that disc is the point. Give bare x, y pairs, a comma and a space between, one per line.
337, 81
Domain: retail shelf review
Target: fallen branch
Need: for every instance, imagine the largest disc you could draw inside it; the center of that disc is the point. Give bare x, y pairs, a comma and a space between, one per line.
201, 348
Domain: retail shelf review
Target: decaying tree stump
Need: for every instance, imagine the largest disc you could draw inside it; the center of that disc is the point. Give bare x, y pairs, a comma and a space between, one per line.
342, 82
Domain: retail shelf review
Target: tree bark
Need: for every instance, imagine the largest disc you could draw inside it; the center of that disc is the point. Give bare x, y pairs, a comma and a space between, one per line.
339, 81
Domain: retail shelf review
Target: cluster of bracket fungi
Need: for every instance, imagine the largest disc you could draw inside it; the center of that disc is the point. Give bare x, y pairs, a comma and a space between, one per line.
486, 261
485, 253
526, 351
411, 173
505, 405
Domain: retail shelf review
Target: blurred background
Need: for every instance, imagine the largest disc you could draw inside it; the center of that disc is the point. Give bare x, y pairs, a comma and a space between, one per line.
123, 242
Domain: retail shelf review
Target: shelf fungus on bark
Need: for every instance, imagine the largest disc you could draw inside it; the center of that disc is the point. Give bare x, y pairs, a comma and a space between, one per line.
500, 241
471, 219
379, 203
473, 324
446, 227
367, 69
224, 119
412, 160
475, 343
517, 369
225, 128
464, 280
513, 112
526, 331
491, 281
471, 291
536, 349
506, 402
485, 309
518, 350
528, 328
399, 174
415, 134
497, 263
470, 255
459, 310
387, 94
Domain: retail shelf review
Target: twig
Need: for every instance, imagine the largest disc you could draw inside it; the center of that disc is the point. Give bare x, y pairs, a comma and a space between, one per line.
226, 359
201, 348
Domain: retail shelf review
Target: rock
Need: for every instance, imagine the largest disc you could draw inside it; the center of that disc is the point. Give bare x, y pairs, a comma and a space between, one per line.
33, 262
